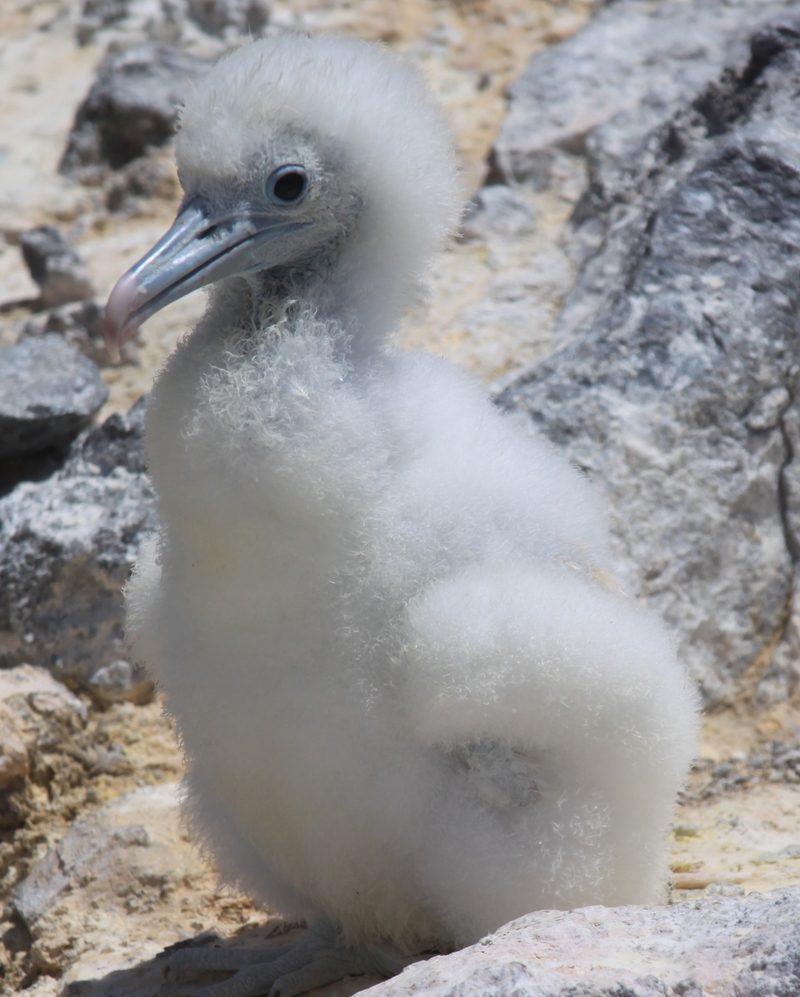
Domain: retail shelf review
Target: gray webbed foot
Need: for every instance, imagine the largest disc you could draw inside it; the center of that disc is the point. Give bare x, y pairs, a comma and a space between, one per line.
287, 970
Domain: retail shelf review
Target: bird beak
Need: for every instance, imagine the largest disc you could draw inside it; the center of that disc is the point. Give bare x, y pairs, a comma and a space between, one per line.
198, 250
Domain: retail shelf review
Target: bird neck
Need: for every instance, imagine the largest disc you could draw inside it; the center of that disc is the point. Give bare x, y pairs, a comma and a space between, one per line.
353, 283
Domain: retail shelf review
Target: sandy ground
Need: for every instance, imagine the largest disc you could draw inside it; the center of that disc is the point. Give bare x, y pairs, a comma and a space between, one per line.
488, 306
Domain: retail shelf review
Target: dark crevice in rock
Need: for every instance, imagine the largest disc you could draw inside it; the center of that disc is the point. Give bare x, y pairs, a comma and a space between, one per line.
792, 543
673, 146
32, 467
728, 101
494, 175
641, 252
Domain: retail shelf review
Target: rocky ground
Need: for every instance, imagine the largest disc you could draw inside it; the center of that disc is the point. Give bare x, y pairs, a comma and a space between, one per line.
97, 876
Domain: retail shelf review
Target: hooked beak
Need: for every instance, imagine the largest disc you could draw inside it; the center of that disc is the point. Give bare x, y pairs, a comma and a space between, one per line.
198, 250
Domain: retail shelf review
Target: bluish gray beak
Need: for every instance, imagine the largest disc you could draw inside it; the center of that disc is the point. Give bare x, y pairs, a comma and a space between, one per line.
198, 250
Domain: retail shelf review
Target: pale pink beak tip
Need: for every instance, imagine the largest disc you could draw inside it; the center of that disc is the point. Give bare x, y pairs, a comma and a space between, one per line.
120, 324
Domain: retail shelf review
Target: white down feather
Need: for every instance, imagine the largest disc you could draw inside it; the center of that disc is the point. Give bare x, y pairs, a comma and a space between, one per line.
408, 699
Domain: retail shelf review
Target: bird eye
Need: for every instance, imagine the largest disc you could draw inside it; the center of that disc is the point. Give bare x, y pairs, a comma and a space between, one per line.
287, 184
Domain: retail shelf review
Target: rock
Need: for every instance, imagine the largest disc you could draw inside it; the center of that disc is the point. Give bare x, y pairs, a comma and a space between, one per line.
132, 22
99, 14
175, 22
496, 208
38, 715
48, 393
124, 883
638, 59
55, 266
81, 325
731, 947
33, 706
229, 17
122, 860
66, 549
29, 467
676, 390
119, 682
143, 178
132, 106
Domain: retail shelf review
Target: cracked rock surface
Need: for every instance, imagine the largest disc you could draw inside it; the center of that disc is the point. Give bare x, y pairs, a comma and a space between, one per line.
676, 388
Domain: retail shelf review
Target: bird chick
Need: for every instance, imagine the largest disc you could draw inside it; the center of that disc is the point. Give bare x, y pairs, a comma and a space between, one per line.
410, 708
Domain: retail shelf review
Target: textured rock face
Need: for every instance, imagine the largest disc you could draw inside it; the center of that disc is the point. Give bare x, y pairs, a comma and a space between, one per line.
48, 394
132, 105
675, 389
729, 947
643, 60
66, 548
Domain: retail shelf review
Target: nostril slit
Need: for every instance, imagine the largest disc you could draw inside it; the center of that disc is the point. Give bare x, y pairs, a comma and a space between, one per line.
208, 232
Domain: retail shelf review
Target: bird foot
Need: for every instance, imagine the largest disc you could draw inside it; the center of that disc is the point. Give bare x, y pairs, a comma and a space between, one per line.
288, 970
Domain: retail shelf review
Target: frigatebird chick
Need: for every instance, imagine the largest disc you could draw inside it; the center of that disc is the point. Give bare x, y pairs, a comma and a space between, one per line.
411, 708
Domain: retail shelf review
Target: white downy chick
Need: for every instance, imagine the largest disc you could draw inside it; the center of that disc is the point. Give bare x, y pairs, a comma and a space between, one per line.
409, 705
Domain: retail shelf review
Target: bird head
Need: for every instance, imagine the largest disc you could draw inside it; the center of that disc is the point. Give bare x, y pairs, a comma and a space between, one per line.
294, 152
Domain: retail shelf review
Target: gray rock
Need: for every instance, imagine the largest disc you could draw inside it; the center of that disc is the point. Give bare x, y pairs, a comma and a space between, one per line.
638, 58
496, 208
55, 266
677, 388
81, 325
132, 105
99, 14
48, 393
224, 17
726, 946
172, 21
66, 549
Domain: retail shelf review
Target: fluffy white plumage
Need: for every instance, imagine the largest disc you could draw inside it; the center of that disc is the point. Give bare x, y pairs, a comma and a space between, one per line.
408, 701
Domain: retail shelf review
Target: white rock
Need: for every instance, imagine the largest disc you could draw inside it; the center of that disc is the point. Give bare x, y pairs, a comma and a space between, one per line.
726, 946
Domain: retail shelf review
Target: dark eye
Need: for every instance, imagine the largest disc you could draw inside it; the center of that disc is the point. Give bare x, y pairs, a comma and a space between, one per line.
287, 184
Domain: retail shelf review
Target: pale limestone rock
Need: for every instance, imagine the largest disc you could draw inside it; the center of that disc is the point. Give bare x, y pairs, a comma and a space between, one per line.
728, 947
101, 895
37, 713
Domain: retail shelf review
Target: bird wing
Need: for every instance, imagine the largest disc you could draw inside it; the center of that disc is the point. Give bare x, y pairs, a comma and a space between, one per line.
538, 682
